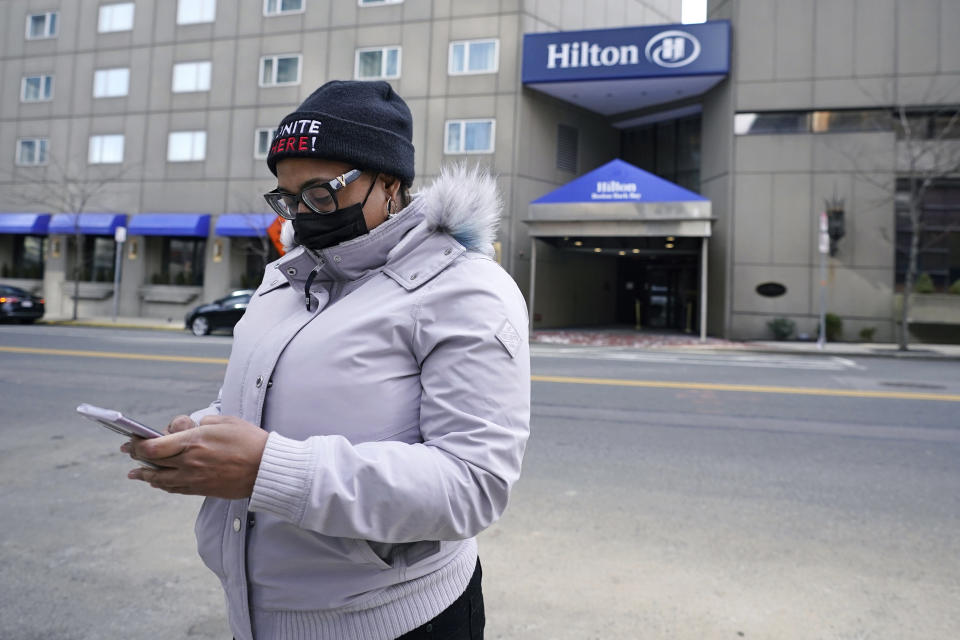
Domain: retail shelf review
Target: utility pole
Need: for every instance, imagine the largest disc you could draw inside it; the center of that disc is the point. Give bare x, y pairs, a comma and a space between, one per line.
120, 235
824, 238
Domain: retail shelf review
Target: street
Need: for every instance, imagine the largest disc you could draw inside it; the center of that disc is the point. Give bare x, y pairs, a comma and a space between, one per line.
665, 494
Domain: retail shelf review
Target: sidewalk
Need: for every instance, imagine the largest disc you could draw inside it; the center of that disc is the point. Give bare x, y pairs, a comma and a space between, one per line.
626, 338
156, 324
619, 338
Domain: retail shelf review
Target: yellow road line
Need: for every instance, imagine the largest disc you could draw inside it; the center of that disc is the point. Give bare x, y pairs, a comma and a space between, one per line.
749, 388
113, 354
613, 382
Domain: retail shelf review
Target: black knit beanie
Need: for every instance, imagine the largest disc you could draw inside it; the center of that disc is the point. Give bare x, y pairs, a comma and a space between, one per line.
365, 124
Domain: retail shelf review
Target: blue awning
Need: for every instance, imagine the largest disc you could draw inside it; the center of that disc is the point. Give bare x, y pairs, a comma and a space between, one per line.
170, 224
25, 223
93, 224
619, 199
619, 181
246, 225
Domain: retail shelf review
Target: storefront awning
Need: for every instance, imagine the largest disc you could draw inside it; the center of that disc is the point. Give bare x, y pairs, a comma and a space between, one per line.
619, 199
170, 224
25, 223
618, 72
92, 224
245, 225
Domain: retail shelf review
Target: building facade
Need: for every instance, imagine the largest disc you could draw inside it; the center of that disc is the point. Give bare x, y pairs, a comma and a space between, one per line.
156, 116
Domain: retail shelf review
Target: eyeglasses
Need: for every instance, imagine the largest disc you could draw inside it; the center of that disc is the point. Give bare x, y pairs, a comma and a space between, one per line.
319, 198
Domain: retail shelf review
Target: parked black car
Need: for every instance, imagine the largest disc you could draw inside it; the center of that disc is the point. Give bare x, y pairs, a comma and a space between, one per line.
17, 304
219, 314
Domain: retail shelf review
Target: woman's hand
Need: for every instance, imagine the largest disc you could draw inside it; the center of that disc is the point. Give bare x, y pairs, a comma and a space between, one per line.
219, 457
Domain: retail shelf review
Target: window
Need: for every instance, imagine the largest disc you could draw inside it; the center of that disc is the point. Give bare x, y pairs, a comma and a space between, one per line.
469, 136
36, 88
939, 246
28, 257
567, 147
42, 25
928, 125
182, 260
474, 56
32, 152
277, 71
669, 149
115, 17
278, 7
377, 63
107, 149
374, 3
97, 258
191, 76
187, 146
111, 83
771, 123
261, 144
196, 11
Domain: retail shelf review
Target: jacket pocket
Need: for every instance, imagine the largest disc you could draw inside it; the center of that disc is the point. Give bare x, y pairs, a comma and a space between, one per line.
365, 554
209, 530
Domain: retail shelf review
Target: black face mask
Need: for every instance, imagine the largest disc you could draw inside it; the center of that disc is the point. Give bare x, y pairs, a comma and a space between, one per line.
321, 230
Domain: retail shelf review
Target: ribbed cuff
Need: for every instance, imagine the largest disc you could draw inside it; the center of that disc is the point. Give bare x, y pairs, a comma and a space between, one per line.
284, 478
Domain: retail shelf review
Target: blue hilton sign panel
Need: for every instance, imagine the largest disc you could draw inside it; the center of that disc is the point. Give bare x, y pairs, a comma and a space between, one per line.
631, 52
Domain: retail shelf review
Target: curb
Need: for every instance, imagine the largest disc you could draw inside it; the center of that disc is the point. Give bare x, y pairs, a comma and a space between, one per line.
919, 354
109, 325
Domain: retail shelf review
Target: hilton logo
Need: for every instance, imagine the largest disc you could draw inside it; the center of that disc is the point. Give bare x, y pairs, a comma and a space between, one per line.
666, 49
615, 190
672, 49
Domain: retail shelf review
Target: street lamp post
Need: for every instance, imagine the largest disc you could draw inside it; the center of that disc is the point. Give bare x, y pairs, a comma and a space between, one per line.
120, 235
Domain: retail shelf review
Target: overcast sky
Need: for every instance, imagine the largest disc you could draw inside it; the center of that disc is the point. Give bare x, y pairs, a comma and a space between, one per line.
694, 11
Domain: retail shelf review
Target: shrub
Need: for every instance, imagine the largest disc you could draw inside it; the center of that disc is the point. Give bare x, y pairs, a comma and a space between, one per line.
782, 328
955, 287
866, 334
834, 327
924, 284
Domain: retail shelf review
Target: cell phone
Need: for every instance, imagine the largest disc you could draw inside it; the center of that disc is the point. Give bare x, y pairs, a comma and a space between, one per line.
119, 423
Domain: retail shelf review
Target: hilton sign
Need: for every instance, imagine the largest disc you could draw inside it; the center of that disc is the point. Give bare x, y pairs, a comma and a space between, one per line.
666, 50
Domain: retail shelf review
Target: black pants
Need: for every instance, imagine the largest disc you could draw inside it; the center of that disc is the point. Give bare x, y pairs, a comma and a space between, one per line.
462, 620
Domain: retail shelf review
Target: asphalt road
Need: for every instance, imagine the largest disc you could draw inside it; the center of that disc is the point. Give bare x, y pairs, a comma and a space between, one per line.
664, 495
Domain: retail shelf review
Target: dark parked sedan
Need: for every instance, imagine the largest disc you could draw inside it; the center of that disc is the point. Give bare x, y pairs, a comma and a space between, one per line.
219, 314
20, 305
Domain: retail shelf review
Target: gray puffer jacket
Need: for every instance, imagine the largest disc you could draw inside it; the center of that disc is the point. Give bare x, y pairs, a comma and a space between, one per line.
398, 408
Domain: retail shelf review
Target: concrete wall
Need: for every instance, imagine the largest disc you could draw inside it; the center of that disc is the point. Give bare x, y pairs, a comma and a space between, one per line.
813, 55
327, 34
573, 289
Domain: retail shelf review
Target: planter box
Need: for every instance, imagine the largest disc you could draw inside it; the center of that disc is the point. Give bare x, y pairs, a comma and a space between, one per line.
929, 308
88, 290
27, 284
169, 293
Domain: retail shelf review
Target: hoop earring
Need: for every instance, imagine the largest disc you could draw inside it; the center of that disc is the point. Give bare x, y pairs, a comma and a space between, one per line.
390, 212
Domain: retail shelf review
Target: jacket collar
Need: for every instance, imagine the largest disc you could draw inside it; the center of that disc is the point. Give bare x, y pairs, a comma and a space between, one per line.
459, 211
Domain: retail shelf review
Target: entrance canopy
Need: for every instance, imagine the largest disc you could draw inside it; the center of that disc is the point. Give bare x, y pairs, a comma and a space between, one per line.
619, 199
620, 73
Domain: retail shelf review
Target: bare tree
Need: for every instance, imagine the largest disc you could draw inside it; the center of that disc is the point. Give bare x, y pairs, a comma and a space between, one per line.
257, 244
928, 161
925, 156
70, 191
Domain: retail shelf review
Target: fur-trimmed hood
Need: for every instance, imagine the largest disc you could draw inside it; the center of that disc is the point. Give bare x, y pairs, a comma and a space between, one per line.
462, 201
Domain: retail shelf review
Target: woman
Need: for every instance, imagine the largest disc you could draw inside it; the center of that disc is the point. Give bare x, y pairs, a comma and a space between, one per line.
375, 408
